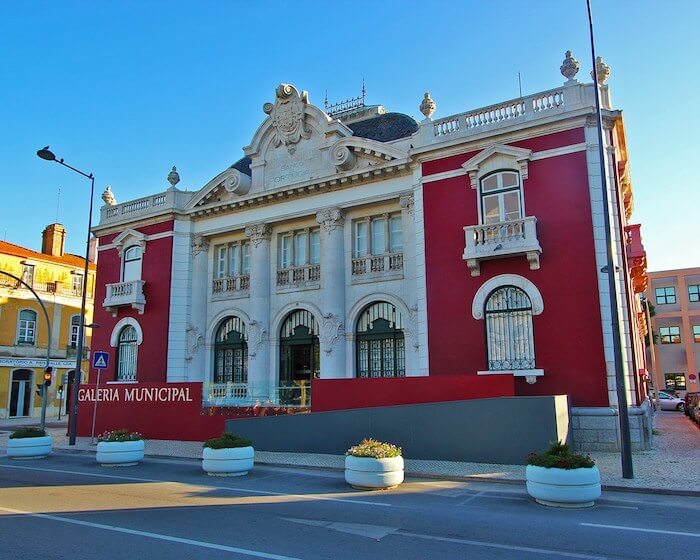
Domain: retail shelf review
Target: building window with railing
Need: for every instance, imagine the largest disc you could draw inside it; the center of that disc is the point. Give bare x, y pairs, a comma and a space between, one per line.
379, 342
378, 246
501, 197
131, 266
694, 293
28, 274
77, 284
666, 295
299, 258
670, 335
231, 352
232, 267
74, 330
26, 328
127, 351
509, 334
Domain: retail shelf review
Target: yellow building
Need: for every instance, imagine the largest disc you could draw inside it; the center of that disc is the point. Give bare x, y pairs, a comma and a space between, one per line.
57, 278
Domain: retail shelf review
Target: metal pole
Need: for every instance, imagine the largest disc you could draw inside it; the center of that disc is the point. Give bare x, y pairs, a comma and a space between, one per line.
625, 442
44, 392
94, 410
73, 420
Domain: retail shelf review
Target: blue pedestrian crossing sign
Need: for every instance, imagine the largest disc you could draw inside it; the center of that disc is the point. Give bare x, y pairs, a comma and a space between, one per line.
100, 360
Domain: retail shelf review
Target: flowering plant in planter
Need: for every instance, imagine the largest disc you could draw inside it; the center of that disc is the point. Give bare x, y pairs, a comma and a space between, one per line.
227, 441
119, 436
29, 443
22, 433
375, 449
227, 455
559, 477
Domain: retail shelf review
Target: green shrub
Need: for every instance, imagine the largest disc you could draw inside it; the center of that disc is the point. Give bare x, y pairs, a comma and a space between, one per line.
27, 432
374, 449
559, 456
227, 441
119, 435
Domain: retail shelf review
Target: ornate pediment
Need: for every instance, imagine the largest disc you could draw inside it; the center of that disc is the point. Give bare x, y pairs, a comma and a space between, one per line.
227, 185
288, 115
497, 156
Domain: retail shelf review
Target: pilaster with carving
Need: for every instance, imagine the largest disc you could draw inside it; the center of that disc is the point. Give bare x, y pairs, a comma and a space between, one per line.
330, 218
332, 329
199, 245
406, 202
257, 233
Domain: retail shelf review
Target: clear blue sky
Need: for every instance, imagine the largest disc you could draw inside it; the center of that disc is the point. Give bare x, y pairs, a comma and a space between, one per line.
127, 89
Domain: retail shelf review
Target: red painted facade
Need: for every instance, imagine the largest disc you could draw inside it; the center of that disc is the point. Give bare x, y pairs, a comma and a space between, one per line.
156, 269
556, 193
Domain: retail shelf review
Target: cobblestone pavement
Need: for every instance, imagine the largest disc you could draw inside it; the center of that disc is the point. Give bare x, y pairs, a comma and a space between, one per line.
671, 464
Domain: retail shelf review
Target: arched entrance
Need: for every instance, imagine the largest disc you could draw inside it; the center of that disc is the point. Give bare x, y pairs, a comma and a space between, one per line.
21, 393
380, 349
300, 359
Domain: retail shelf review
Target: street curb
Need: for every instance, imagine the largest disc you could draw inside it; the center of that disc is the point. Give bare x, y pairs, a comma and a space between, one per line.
431, 476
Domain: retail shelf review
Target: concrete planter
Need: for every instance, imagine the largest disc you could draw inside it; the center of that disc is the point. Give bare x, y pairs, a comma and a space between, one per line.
367, 473
563, 488
120, 453
231, 461
29, 448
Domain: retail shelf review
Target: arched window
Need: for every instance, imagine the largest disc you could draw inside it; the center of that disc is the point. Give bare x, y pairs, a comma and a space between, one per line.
231, 352
379, 342
501, 197
509, 337
300, 359
127, 351
26, 329
74, 329
132, 264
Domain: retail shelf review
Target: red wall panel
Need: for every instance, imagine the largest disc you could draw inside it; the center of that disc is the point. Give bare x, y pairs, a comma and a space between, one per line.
568, 335
343, 394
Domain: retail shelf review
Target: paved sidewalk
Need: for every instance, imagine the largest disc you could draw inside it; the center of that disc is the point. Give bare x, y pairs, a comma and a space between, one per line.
670, 466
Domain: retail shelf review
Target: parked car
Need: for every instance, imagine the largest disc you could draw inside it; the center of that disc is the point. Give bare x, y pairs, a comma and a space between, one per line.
691, 401
669, 402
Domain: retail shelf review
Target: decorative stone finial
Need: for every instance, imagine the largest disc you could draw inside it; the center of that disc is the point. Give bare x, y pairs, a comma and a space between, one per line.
108, 197
427, 106
602, 69
569, 67
173, 177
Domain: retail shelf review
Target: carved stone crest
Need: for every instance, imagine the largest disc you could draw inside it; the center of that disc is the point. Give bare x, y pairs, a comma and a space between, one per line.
331, 330
288, 116
330, 218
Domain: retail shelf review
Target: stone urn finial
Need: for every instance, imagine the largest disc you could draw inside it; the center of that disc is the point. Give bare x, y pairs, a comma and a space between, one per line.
569, 68
427, 106
602, 69
108, 197
173, 177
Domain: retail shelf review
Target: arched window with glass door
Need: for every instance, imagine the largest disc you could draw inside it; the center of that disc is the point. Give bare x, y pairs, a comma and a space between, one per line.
127, 353
379, 342
509, 334
300, 359
231, 352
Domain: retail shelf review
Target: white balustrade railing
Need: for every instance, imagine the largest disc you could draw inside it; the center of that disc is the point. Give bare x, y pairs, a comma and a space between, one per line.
232, 284
299, 275
227, 392
492, 241
377, 265
125, 294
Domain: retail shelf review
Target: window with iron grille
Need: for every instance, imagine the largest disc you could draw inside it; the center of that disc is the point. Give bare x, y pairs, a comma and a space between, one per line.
127, 352
231, 352
665, 295
379, 342
509, 334
670, 335
26, 329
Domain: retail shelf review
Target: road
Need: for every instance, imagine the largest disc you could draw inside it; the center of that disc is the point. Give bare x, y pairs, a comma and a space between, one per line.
67, 507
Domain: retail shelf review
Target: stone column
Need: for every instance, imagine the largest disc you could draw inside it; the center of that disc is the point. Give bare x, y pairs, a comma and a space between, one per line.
410, 287
198, 368
259, 326
333, 293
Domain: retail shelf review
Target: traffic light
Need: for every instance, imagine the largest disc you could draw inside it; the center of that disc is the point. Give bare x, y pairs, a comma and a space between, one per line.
48, 376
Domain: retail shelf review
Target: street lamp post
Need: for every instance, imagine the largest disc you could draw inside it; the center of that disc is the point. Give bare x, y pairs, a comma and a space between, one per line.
48, 155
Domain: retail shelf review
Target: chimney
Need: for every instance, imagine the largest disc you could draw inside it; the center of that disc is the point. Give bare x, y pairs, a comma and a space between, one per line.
53, 240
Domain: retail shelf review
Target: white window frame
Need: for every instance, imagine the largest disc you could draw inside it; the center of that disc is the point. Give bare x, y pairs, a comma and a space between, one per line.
499, 193
223, 267
389, 233
131, 362
28, 271
136, 270
30, 326
290, 260
74, 329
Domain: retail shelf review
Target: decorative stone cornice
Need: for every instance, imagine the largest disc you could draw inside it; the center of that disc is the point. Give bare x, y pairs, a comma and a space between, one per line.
406, 201
258, 233
330, 218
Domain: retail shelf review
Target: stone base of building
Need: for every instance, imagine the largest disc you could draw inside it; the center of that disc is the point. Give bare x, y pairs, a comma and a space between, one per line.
598, 429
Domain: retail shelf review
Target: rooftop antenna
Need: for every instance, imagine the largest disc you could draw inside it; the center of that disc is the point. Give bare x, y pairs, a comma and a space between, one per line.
520, 86
58, 203
364, 90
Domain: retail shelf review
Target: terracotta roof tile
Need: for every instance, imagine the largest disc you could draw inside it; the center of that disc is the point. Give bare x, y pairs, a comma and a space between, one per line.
67, 259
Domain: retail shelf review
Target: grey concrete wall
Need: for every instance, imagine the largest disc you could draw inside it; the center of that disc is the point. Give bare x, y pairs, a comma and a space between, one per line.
598, 429
499, 430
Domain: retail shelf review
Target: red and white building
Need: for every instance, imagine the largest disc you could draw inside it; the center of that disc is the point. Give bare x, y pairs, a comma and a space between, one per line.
439, 259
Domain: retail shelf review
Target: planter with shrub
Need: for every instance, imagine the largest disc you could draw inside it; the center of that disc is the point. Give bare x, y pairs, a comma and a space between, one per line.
29, 443
374, 465
558, 477
120, 448
227, 455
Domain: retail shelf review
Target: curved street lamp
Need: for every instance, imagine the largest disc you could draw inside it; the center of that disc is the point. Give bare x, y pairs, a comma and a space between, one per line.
48, 155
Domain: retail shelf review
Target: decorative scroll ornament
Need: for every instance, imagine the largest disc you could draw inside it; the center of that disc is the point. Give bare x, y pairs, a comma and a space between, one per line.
407, 201
257, 335
108, 197
330, 218
602, 69
570, 66
331, 330
237, 182
173, 177
258, 233
288, 113
344, 158
427, 106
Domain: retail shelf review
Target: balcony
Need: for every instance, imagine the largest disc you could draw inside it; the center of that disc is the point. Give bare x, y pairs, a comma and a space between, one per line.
299, 278
125, 294
636, 258
504, 239
370, 268
231, 286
